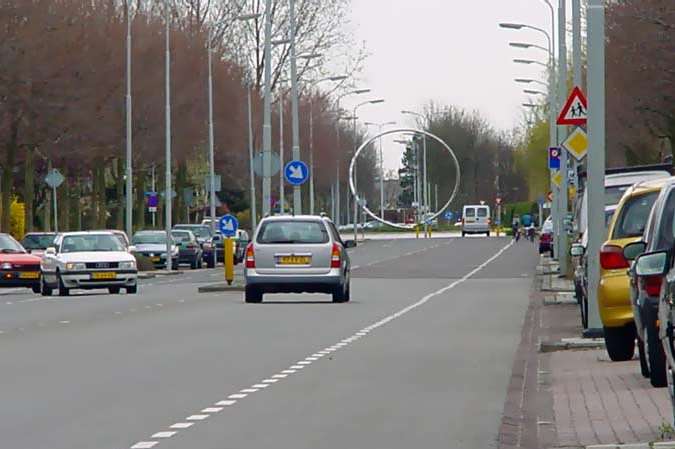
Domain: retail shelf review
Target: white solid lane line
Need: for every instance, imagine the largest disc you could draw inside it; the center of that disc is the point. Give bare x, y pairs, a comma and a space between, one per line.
343, 343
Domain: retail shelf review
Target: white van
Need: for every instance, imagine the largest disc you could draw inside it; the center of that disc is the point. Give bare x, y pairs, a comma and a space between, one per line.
476, 220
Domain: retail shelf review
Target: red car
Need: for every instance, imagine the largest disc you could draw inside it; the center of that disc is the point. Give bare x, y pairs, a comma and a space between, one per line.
17, 267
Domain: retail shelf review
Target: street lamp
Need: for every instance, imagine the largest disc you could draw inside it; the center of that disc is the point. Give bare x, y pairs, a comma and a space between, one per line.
534, 92
335, 78
526, 46
168, 192
528, 81
529, 61
425, 190
380, 126
129, 185
356, 206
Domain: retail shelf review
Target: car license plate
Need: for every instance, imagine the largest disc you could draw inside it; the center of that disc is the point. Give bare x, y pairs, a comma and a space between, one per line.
155, 259
29, 275
101, 276
294, 260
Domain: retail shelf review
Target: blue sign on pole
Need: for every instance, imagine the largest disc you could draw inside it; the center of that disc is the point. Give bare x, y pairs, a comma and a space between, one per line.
296, 173
554, 158
448, 215
228, 225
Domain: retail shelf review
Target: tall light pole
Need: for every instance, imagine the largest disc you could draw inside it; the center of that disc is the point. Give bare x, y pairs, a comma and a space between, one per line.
168, 191
297, 193
311, 138
562, 134
129, 179
267, 113
212, 172
596, 153
425, 189
380, 126
356, 146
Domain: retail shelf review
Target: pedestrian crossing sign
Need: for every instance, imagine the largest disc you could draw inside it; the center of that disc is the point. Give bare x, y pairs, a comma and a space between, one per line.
575, 111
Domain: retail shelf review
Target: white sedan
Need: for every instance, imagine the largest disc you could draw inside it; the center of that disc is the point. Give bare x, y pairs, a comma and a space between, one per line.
88, 260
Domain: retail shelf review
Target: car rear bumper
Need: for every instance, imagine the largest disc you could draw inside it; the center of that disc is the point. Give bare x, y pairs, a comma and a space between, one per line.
475, 228
295, 283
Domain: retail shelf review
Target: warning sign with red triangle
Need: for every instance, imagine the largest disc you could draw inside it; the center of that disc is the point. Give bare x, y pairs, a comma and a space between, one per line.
575, 111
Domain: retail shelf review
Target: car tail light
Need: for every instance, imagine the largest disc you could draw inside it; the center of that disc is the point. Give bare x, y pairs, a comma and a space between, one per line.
250, 256
489, 221
336, 257
651, 285
611, 257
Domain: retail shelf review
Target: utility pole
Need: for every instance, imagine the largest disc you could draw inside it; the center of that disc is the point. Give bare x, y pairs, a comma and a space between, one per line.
282, 193
562, 134
251, 173
129, 184
596, 154
297, 193
576, 55
168, 198
267, 112
212, 171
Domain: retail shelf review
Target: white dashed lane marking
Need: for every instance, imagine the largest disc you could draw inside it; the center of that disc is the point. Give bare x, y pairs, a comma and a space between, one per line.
232, 399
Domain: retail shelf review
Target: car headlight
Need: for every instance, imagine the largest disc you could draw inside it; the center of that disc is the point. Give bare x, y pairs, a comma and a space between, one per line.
75, 266
130, 265
6, 266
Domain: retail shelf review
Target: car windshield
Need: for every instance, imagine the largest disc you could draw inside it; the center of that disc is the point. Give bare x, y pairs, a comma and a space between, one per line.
202, 232
613, 194
92, 242
158, 238
293, 231
181, 236
633, 216
9, 246
38, 241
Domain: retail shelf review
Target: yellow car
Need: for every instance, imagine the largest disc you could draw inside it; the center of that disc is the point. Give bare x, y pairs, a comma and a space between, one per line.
614, 292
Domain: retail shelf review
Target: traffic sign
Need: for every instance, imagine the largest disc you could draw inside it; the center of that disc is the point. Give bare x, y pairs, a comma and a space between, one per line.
556, 177
448, 216
575, 111
54, 179
577, 143
296, 172
554, 158
259, 167
217, 182
228, 225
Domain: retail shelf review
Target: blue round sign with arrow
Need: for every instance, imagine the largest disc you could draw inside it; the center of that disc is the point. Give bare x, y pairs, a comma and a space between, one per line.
228, 225
296, 173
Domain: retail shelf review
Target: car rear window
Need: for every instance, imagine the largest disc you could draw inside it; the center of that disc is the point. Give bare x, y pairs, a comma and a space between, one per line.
633, 216
470, 212
293, 232
482, 212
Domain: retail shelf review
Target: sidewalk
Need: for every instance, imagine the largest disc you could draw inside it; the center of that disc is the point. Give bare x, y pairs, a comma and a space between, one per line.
572, 396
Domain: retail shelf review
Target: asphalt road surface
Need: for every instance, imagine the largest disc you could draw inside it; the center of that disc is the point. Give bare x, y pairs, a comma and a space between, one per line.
420, 357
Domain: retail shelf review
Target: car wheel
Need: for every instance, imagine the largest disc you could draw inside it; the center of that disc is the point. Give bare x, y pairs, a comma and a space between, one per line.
36, 288
252, 295
620, 342
132, 290
657, 358
193, 264
44, 288
114, 290
63, 290
644, 366
487, 233
463, 234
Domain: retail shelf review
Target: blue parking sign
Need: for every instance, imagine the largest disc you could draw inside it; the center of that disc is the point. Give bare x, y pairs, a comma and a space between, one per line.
554, 158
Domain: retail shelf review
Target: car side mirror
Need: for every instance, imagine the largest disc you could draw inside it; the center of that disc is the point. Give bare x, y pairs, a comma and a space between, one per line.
577, 250
350, 244
51, 251
652, 264
131, 249
633, 250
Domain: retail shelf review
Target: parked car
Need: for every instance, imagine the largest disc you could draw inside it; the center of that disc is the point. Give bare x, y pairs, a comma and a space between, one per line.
618, 295
217, 244
88, 260
189, 250
201, 231
37, 242
617, 182
296, 254
476, 220
18, 268
546, 237
152, 244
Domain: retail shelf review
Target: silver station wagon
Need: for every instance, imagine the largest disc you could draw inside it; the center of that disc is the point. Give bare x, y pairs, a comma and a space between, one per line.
297, 254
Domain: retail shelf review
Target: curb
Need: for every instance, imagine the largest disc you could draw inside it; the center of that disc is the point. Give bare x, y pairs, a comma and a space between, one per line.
567, 344
659, 445
221, 287
561, 298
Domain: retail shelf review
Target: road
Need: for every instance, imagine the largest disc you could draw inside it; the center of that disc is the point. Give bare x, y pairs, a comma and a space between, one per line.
421, 357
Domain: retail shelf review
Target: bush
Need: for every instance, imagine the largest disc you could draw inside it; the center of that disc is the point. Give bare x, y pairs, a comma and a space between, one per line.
17, 219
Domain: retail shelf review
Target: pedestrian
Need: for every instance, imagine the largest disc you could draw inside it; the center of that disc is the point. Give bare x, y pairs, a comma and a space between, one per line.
515, 228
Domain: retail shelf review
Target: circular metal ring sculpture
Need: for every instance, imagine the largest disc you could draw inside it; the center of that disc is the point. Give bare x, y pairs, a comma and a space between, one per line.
352, 186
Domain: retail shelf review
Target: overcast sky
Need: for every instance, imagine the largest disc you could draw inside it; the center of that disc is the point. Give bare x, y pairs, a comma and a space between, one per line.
464, 55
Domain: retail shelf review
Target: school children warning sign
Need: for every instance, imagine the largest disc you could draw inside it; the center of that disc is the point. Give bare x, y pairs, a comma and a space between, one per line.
575, 111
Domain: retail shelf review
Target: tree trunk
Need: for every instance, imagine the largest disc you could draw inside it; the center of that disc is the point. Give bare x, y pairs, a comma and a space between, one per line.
7, 176
29, 190
119, 191
139, 216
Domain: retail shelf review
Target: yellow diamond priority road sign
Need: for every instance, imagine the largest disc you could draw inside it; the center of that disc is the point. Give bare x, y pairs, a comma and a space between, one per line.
577, 143
556, 177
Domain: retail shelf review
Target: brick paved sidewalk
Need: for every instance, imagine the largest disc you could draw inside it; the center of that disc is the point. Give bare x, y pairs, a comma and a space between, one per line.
575, 398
